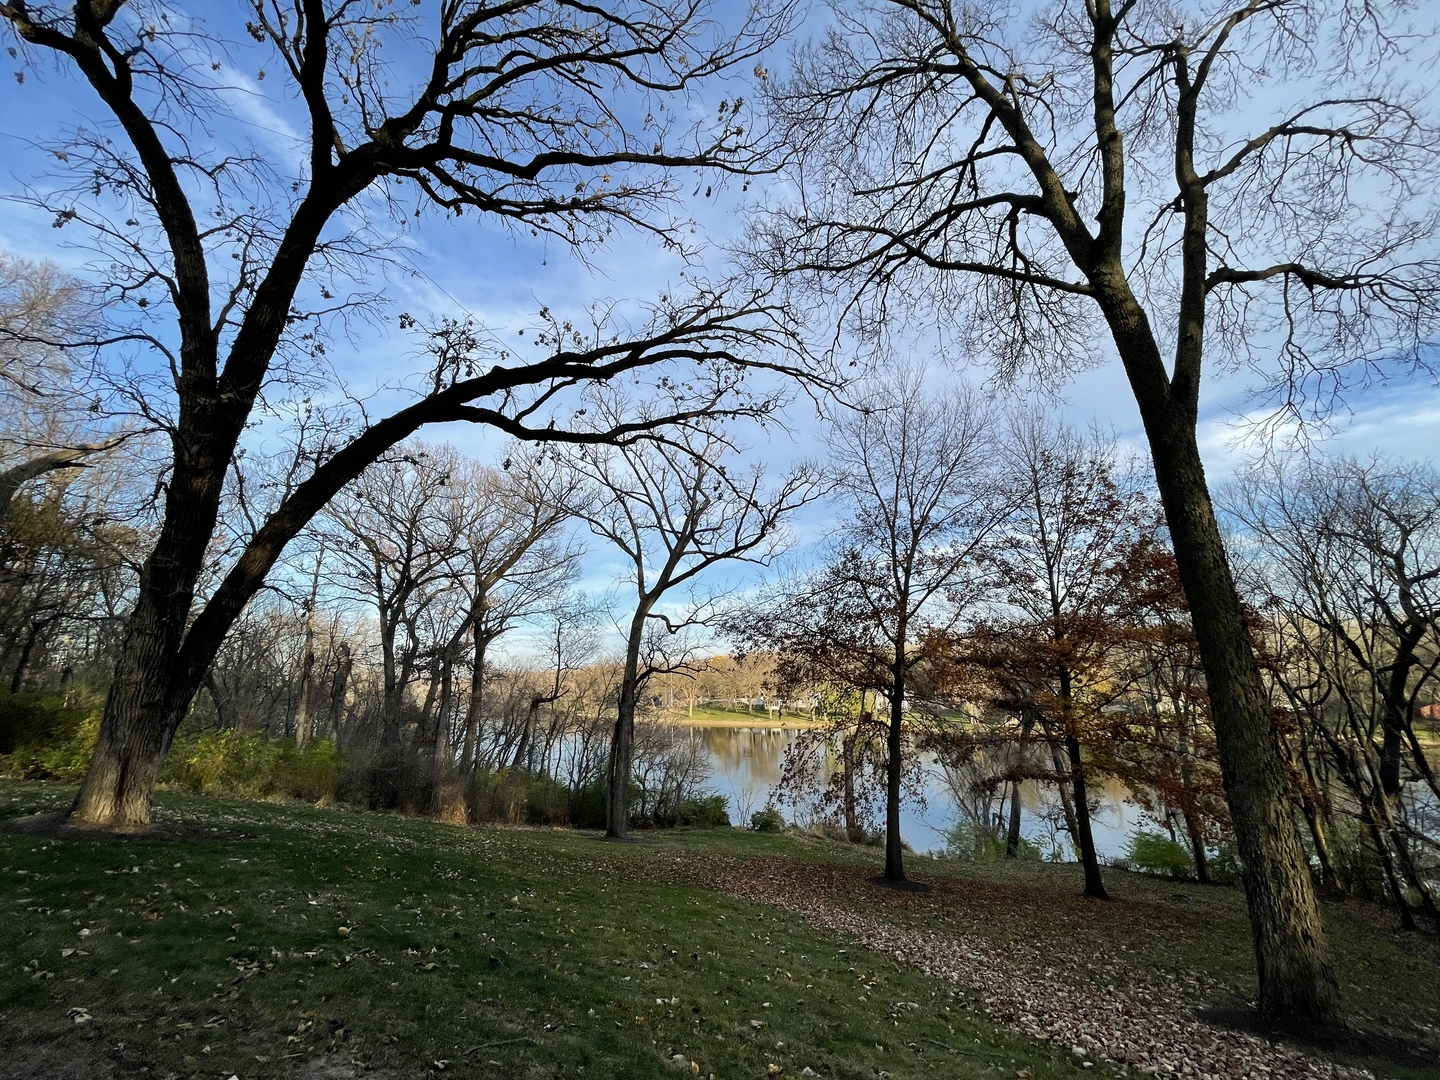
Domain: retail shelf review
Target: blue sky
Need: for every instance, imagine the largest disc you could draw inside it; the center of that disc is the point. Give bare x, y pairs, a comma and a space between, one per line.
472, 267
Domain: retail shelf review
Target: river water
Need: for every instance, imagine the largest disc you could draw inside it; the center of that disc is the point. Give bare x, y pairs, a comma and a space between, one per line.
746, 764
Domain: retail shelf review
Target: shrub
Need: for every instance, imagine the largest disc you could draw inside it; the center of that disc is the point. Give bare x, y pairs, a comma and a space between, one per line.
386, 780
974, 842
547, 802
587, 806
1223, 865
254, 765
312, 773
768, 820
516, 797
1155, 853
43, 737
711, 812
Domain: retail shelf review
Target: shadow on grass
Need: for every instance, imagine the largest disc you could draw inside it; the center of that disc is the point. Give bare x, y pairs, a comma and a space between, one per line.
1364, 1040
55, 826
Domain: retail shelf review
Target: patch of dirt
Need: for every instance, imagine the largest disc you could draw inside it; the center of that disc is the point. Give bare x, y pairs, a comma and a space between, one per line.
54, 826
909, 885
38, 1053
1098, 1007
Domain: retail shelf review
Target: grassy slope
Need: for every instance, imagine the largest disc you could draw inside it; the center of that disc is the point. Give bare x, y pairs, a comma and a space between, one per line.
533, 953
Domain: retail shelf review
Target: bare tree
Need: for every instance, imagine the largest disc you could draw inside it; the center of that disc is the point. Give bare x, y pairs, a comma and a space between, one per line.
674, 511
551, 116
518, 563
399, 548
1347, 569
915, 466
1205, 182
47, 424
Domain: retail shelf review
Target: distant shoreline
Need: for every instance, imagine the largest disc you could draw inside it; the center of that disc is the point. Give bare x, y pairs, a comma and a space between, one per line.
758, 720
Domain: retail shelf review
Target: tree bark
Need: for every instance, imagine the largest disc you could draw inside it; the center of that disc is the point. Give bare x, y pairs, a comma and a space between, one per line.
339, 686
1012, 832
307, 667
622, 743
894, 846
1085, 838
150, 692
1297, 982
474, 708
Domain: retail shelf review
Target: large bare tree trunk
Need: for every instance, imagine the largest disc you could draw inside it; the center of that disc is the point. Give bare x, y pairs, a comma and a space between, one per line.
622, 743
1297, 983
150, 690
622, 749
894, 845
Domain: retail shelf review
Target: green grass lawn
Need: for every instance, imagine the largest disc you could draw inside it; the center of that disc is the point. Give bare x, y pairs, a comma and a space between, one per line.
505, 953
334, 943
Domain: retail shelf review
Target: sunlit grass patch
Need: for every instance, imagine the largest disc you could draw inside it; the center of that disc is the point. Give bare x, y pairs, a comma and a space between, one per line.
381, 945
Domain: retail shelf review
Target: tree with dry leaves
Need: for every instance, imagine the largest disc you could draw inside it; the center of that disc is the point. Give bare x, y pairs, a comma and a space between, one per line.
1055, 636
1221, 183
915, 469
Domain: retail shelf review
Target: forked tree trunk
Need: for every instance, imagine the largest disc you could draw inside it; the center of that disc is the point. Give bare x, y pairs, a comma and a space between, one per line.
339, 689
1196, 835
622, 749
1062, 788
150, 690
475, 707
1084, 836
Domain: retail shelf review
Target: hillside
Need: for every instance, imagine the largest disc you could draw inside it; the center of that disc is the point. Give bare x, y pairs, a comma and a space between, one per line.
257, 940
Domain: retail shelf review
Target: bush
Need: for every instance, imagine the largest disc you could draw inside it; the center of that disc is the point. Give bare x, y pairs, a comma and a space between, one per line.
44, 738
975, 843
1223, 865
587, 806
711, 812
1155, 853
391, 779
516, 797
254, 765
768, 820
312, 773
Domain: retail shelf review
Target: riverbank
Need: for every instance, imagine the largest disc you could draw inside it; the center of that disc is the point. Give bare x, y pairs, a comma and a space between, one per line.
261, 940
735, 718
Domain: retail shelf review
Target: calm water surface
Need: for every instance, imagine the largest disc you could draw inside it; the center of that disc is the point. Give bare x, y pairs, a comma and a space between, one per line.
746, 763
